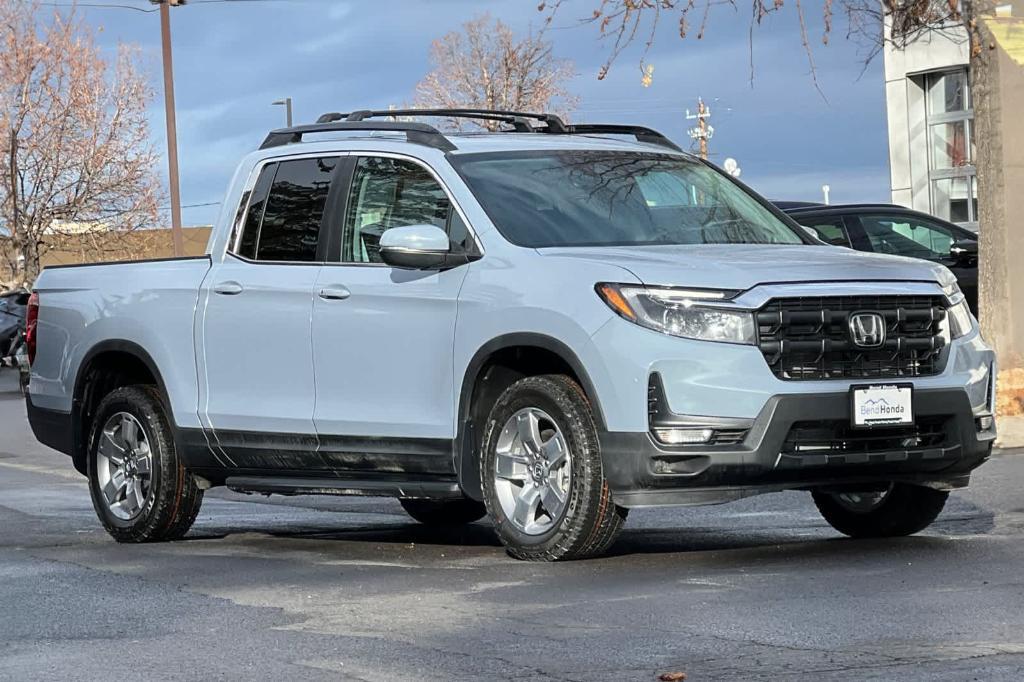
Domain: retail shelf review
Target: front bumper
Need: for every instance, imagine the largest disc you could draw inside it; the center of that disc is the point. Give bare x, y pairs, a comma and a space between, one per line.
643, 472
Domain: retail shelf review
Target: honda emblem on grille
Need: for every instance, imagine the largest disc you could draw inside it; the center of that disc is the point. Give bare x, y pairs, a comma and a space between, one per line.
867, 329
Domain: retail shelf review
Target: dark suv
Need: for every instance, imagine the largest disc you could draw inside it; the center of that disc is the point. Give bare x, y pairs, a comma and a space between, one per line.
885, 228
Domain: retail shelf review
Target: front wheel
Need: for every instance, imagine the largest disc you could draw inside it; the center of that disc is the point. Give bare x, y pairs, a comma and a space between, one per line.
542, 475
140, 490
901, 509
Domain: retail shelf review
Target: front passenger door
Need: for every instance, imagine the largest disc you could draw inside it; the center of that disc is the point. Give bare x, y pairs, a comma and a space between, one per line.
383, 336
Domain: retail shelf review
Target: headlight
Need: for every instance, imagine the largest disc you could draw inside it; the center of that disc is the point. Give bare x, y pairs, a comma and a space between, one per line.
953, 293
679, 312
960, 321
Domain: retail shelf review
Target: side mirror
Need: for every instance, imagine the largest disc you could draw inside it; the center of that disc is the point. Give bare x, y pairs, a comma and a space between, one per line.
415, 247
964, 251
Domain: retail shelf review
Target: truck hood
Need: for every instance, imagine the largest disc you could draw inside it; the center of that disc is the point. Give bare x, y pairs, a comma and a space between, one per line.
743, 266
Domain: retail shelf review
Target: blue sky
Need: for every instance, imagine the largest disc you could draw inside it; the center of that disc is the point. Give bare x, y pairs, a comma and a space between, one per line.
232, 59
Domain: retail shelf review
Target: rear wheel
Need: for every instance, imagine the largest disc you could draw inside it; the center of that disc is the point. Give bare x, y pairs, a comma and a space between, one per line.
140, 490
900, 509
444, 512
542, 474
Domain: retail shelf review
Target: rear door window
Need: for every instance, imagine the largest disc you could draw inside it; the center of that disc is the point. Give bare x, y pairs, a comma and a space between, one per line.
286, 210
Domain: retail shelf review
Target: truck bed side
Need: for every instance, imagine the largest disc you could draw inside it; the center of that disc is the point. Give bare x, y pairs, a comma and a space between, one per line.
145, 306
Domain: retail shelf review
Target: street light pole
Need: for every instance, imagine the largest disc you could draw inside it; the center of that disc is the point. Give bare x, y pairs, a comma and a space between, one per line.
287, 102
172, 129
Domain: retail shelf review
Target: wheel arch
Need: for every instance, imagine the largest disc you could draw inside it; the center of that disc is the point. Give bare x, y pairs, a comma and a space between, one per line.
539, 351
109, 364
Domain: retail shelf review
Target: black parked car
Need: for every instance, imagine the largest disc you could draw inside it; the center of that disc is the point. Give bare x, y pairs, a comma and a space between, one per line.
885, 228
12, 318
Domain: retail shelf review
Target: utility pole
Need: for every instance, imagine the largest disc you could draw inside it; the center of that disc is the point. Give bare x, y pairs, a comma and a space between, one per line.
14, 229
172, 128
703, 130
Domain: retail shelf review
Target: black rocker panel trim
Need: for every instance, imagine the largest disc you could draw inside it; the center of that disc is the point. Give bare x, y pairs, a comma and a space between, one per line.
341, 456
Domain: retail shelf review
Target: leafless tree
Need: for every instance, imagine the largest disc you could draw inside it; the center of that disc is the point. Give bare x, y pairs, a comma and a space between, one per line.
484, 66
75, 151
1001, 286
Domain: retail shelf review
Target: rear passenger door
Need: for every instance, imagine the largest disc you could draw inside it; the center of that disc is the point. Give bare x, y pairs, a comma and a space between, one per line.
256, 350
382, 336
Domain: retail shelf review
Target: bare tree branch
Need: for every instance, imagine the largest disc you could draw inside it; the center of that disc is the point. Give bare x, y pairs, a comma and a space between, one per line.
77, 157
484, 66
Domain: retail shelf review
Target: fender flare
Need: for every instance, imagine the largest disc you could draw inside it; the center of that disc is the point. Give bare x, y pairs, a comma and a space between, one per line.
110, 346
467, 468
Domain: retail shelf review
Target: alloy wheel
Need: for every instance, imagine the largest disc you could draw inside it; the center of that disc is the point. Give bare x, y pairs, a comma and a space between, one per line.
124, 466
532, 475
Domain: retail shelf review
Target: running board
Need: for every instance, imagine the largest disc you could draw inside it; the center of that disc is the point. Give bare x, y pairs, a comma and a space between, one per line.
286, 485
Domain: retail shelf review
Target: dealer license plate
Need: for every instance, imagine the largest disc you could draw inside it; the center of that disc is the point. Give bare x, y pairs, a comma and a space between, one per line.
882, 405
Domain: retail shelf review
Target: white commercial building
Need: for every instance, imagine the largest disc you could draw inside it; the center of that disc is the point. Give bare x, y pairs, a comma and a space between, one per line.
931, 144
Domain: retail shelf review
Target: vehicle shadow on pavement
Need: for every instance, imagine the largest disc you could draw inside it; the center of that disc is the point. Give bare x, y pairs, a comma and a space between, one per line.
809, 540
470, 535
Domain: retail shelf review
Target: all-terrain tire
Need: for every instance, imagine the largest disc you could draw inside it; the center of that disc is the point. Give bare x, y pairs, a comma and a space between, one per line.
590, 521
905, 510
174, 499
445, 512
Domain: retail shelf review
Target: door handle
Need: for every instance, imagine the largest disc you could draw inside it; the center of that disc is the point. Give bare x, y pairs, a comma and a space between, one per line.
227, 288
336, 292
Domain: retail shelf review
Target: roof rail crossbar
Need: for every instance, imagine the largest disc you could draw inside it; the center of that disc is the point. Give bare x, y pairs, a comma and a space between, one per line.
421, 133
641, 133
521, 121
418, 133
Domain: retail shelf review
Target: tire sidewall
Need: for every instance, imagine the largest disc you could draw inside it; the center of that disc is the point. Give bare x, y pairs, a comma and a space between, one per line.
149, 413
581, 438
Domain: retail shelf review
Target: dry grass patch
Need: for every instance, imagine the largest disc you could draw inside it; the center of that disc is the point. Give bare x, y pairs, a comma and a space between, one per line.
1010, 393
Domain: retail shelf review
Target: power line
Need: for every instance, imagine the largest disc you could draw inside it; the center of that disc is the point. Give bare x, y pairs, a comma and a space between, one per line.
111, 5
101, 5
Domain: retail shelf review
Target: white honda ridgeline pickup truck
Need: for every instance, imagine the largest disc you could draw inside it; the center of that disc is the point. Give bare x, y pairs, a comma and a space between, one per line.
548, 325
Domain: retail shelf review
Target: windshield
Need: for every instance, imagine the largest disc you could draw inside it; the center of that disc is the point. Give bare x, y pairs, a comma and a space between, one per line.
601, 198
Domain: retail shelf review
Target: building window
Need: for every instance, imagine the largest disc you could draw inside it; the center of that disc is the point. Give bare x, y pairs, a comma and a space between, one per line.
951, 170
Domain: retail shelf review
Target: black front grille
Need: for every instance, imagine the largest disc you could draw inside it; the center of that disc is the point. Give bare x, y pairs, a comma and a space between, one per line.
809, 337
838, 437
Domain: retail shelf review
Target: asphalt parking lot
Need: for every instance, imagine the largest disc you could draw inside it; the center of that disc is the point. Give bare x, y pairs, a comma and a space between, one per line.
339, 589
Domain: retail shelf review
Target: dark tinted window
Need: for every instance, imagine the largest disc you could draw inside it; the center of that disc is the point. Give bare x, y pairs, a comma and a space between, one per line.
390, 193
580, 198
290, 228
826, 230
906, 235
257, 202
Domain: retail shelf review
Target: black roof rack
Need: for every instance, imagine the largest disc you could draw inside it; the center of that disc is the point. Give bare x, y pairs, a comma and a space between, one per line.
641, 133
421, 133
519, 120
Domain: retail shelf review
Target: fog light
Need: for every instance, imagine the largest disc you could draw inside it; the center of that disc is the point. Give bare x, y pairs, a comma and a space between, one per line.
684, 436
985, 423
